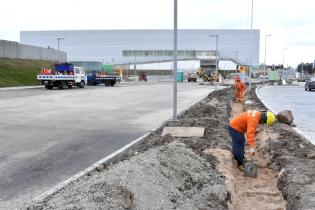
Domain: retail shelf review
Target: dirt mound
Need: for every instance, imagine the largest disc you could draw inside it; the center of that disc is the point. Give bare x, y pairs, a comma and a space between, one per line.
171, 176
175, 173
290, 154
166, 173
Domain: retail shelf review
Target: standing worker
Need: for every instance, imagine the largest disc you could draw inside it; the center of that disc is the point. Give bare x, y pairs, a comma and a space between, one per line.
240, 89
247, 122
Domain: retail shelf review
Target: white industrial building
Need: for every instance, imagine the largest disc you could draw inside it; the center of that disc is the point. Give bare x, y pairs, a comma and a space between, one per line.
146, 46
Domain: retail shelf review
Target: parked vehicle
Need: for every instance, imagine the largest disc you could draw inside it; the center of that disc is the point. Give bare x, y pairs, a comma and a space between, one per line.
310, 84
209, 76
191, 77
95, 78
62, 76
143, 77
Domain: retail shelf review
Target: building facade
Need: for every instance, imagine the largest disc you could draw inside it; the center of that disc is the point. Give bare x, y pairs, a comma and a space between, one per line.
140, 46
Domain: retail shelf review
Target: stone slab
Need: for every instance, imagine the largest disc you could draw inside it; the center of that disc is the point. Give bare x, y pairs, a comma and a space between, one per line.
184, 131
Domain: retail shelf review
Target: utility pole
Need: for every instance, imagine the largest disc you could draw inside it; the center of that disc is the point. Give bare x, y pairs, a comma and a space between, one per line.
265, 70
284, 49
236, 56
58, 40
217, 51
135, 67
236, 59
251, 45
175, 64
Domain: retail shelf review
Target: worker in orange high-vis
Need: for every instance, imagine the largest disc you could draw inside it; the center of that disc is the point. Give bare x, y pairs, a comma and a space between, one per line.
239, 90
247, 122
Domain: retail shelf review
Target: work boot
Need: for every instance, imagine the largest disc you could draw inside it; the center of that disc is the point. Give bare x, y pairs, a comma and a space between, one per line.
241, 168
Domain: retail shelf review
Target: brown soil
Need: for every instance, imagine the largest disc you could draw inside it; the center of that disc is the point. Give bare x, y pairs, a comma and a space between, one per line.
261, 192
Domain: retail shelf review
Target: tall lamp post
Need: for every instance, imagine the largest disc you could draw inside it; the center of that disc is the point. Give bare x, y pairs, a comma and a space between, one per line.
251, 45
216, 51
265, 71
284, 49
135, 65
236, 58
58, 40
175, 64
236, 55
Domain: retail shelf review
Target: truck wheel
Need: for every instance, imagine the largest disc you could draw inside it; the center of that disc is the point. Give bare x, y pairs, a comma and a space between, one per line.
81, 85
49, 87
112, 83
62, 85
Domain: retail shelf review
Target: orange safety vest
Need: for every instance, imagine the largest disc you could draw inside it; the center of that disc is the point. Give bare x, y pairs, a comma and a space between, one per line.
240, 86
247, 122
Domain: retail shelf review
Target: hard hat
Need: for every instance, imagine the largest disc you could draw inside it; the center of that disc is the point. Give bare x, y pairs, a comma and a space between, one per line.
271, 118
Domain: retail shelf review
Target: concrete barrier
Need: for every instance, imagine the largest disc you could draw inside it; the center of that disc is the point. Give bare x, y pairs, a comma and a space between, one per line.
15, 50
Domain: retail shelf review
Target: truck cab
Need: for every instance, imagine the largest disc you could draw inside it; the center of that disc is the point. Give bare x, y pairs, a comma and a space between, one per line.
80, 75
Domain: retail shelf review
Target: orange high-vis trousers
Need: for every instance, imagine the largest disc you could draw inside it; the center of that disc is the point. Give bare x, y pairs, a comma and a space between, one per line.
239, 95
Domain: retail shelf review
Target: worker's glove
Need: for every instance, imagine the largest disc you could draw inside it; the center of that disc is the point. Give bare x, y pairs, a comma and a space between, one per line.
252, 151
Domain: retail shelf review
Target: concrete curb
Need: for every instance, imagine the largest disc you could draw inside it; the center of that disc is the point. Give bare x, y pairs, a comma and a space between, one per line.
115, 156
22, 87
307, 137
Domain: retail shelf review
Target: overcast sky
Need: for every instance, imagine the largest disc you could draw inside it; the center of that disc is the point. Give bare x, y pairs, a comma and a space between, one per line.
291, 23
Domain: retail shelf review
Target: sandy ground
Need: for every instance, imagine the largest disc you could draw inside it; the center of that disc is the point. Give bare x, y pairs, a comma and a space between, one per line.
199, 173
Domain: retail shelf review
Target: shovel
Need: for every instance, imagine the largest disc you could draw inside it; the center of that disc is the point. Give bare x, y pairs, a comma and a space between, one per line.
251, 168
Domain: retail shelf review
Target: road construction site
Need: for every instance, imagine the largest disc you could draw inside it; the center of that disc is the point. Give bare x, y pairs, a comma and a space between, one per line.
167, 172
48, 136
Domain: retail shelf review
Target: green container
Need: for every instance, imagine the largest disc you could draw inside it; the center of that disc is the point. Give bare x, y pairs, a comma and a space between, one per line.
180, 76
273, 75
108, 68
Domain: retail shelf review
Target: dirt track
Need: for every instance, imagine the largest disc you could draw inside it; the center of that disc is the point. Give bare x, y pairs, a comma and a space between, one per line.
261, 192
180, 173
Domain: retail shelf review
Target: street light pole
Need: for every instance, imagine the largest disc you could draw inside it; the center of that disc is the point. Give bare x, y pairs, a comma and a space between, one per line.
284, 49
135, 65
236, 62
217, 51
265, 71
251, 40
236, 57
58, 40
175, 64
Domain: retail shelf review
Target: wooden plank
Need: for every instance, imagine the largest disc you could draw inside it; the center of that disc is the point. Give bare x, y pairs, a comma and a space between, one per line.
184, 131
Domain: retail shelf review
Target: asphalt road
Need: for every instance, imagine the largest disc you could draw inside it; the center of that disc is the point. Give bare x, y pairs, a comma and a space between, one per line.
46, 136
296, 99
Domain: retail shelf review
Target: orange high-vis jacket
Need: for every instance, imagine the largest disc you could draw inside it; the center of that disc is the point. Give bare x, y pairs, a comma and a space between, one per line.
247, 122
240, 86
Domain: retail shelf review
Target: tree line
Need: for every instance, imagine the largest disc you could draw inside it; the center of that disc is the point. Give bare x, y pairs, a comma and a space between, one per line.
306, 67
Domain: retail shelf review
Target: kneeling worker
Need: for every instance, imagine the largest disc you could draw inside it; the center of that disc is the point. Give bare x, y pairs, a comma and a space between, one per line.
247, 122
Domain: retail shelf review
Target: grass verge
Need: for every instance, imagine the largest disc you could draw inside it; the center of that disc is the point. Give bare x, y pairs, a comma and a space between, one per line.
17, 72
